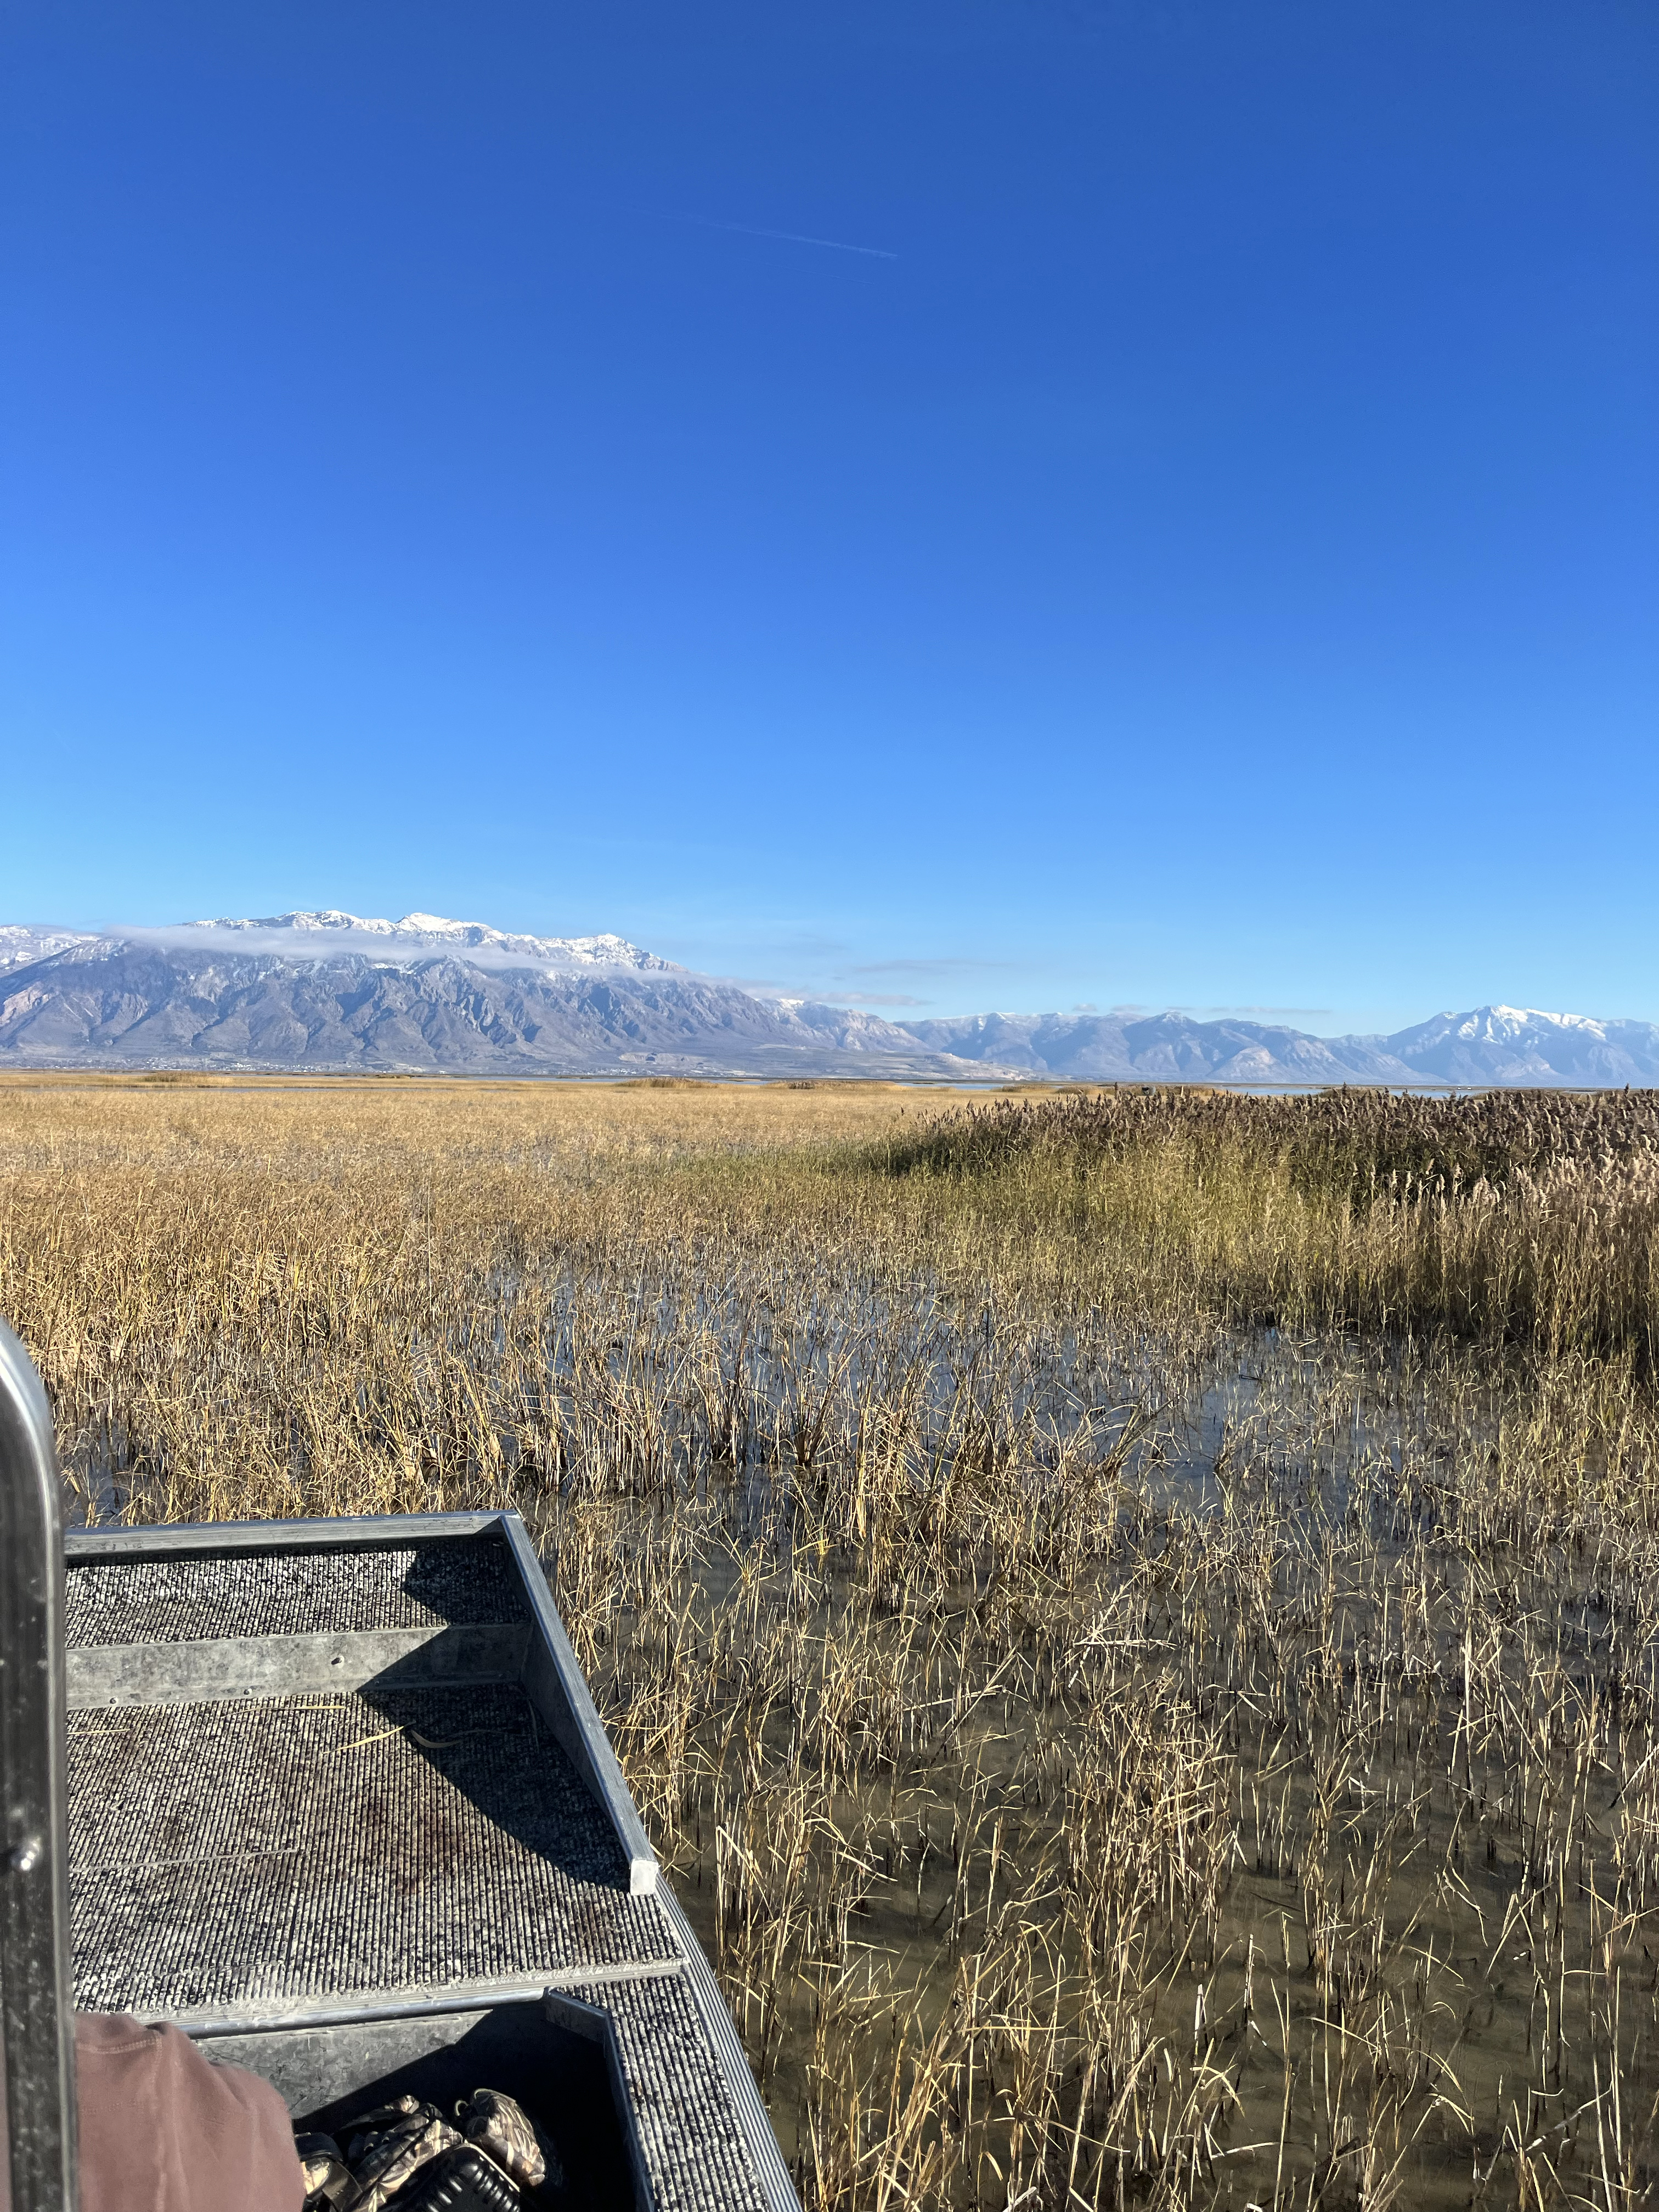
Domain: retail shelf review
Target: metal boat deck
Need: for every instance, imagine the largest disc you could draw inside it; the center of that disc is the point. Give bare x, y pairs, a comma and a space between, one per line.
339, 1801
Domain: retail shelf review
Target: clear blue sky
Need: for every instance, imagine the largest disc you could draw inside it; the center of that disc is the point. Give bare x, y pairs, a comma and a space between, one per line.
1186, 536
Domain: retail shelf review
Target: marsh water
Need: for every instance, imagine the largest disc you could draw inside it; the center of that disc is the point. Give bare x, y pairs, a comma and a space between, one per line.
1225, 1762
1218, 1765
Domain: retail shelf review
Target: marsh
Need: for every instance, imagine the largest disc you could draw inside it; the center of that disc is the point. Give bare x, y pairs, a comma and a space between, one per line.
1132, 1619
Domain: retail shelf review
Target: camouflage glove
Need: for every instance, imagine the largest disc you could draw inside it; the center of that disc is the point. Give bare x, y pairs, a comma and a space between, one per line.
498, 2127
328, 2184
387, 2146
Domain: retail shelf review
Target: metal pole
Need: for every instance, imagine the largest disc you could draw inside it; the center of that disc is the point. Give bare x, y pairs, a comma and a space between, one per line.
36, 2006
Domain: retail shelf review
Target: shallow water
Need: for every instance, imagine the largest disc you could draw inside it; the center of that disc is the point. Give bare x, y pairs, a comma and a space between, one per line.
1409, 1954
1262, 1721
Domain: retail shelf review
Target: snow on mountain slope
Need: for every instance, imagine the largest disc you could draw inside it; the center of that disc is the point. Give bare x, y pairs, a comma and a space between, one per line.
1163, 1048
21, 942
1520, 1045
328, 932
845, 1027
326, 989
326, 993
1488, 1044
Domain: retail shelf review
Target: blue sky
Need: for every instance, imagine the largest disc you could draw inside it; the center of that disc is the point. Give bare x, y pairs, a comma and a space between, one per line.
1185, 535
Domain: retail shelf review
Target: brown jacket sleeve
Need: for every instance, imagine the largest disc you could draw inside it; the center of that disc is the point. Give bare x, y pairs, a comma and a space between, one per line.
163, 2131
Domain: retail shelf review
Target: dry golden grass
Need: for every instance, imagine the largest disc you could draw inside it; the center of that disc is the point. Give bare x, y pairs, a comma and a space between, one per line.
1116, 1755
1512, 1217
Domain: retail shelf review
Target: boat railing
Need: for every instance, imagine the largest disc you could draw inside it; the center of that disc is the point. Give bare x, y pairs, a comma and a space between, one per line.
36, 2008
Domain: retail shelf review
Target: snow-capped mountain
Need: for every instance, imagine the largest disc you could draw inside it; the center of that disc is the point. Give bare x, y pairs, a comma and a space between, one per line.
21, 942
1160, 1048
1520, 1045
1489, 1045
844, 1027
334, 991
327, 934
329, 990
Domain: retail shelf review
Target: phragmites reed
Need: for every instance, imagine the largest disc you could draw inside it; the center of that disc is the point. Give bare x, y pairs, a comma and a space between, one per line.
1520, 1216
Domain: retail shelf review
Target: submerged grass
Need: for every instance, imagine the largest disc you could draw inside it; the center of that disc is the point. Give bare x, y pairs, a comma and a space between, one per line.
1133, 1622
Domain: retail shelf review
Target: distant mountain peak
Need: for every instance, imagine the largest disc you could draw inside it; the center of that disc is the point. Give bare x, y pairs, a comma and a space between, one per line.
300, 931
323, 917
21, 943
323, 988
1474, 1018
1519, 1017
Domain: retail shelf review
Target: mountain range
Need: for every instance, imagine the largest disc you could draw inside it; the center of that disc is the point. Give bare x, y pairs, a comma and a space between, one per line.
331, 992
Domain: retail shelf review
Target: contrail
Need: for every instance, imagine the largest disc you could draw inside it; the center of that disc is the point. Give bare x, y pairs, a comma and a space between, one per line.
790, 237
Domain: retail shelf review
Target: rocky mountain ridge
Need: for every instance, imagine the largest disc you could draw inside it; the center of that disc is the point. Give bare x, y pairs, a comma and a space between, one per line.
333, 992
329, 932
1505, 1045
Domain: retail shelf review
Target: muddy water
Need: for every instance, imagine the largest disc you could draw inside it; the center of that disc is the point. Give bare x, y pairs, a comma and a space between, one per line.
1394, 1943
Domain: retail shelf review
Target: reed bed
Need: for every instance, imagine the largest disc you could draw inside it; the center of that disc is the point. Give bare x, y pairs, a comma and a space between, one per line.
1524, 1217
1148, 1700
